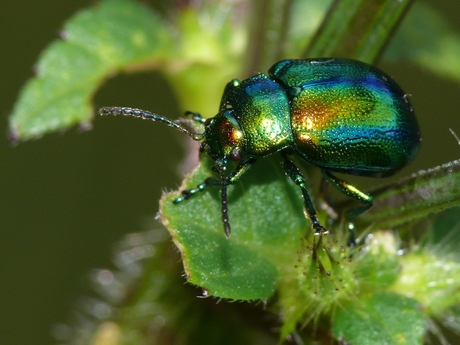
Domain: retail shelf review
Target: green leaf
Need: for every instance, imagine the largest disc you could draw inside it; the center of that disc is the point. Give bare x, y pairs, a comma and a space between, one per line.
430, 276
267, 224
97, 42
381, 318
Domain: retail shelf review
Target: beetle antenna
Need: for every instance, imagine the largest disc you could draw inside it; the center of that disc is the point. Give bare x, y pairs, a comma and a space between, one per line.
143, 114
223, 198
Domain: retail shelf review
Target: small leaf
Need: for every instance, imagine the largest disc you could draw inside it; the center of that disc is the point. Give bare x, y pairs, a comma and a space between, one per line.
96, 43
382, 318
267, 223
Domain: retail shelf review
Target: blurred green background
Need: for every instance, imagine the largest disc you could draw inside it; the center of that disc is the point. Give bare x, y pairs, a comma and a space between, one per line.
66, 198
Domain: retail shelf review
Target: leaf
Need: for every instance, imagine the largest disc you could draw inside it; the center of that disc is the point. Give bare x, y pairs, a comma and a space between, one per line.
431, 276
267, 223
97, 42
381, 318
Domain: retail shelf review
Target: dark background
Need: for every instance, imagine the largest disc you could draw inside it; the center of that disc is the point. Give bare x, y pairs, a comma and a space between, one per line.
66, 198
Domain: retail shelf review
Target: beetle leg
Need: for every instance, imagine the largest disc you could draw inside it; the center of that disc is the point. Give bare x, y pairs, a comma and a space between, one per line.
354, 193
187, 193
235, 175
241, 168
214, 182
351, 191
228, 92
224, 181
296, 176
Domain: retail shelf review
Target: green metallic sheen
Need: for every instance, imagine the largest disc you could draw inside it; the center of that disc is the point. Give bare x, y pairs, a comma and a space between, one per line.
348, 116
337, 114
254, 120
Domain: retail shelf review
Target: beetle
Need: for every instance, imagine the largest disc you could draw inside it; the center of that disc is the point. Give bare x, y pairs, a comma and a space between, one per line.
340, 115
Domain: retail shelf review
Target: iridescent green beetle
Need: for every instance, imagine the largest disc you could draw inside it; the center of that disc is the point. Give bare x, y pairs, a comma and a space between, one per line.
340, 115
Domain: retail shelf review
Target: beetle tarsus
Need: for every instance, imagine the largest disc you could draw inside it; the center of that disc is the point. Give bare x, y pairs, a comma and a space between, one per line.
319, 229
187, 193
224, 200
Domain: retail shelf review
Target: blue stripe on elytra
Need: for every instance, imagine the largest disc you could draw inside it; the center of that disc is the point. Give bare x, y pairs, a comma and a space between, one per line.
370, 81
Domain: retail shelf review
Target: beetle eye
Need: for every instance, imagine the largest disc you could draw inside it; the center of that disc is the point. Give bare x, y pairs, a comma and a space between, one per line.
235, 155
208, 121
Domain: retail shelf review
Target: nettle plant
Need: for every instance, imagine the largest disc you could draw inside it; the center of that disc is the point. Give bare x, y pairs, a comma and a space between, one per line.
330, 276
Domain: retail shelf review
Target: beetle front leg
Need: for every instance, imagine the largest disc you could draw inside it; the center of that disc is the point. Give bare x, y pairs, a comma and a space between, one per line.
234, 176
354, 193
296, 176
228, 93
187, 193
214, 182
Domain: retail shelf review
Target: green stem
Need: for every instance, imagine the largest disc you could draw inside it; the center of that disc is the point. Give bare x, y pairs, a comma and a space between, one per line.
357, 29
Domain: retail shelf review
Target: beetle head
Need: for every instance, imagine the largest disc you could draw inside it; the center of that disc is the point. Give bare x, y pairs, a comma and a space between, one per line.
223, 141
223, 138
